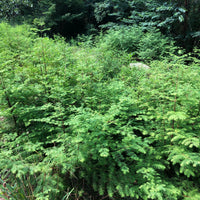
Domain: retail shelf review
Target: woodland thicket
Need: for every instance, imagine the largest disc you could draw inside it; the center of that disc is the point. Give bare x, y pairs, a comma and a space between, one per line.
175, 18
77, 122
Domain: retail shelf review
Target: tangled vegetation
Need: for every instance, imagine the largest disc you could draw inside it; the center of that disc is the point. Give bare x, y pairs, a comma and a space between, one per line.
77, 122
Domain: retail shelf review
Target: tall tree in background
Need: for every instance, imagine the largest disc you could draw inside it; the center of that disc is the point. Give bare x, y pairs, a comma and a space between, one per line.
10, 9
177, 18
64, 17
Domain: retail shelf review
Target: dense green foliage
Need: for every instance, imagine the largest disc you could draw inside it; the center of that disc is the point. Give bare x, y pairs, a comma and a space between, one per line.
144, 46
177, 19
77, 122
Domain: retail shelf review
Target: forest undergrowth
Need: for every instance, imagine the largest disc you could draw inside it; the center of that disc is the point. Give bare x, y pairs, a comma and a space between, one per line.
78, 123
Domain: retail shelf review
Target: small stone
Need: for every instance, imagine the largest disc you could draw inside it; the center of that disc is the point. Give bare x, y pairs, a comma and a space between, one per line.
139, 66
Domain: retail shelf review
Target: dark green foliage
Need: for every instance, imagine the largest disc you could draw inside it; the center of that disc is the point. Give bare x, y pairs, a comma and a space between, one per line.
11, 9
83, 124
177, 19
64, 17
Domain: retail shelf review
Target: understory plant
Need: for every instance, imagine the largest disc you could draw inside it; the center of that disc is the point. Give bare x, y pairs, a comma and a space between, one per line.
79, 123
146, 45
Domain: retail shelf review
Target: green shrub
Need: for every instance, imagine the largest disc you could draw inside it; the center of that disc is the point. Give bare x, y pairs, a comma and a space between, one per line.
145, 46
83, 123
121, 39
153, 45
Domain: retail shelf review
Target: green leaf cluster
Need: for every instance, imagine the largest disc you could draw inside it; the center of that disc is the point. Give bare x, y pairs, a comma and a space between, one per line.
141, 45
177, 19
83, 124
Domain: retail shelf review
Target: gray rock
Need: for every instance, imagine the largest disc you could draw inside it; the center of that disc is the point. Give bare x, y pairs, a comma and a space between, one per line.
1, 119
139, 66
